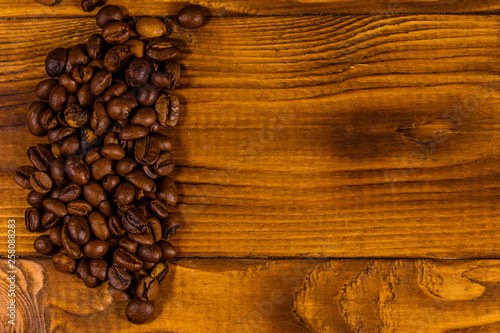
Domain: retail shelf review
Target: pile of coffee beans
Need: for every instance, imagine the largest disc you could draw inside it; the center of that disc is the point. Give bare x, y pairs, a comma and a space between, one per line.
100, 189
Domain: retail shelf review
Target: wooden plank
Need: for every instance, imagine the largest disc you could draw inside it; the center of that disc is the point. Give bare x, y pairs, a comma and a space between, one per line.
311, 136
72, 8
408, 296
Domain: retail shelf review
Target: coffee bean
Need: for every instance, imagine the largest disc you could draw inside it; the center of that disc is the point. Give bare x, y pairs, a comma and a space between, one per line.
167, 108
115, 90
148, 94
44, 87
100, 82
147, 289
113, 152
95, 248
79, 230
48, 119
70, 192
88, 5
64, 263
70, 247
83, 272
134, 221
93, 155
167, 192
50, 219
162, 48
140, 312
169, 227
144, 116
150, 27
165, 164
55, 62
58, 98
35, 199
77, 56
70, 146
23, 177
83, 74
101, 168
125, 166
66, 80
151, 253
94, 193
41, 182
125, 193
168, 250
160, 271
191, 16
119, 108
133, 132
56, 206
128, 244
95, 46
146, 238
138, 72
85, 96
79, 208
140, 180
55, 234
99, 269
108, 14
99, 225
44, 245
35, 111
117, 58
168, 77
111, 181
159, 209
147, 150
76, 116
32, 219
77, 170
116, 32
99, 121
105, 208
115, 226
119, 278
66, 132
127, 260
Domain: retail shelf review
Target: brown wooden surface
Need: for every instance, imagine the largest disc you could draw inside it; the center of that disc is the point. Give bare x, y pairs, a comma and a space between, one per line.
304, 138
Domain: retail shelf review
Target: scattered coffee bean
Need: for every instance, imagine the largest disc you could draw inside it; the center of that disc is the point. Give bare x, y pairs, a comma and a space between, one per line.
191, 16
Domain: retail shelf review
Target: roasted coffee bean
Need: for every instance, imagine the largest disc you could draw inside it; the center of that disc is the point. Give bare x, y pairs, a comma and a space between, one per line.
70, 146
66, 80
117, 58
55, 62
115, 90
111, 181
119, 295
145, 238
111, 138
79, 230
58, 172
137, 47
88, 140
56, 206
164, 141
77, 170
93, 155
169, 77
148, 94
64, 263
144, 116
99, 121
105, 208
58, 98
83, 74
44, 245
116, 32
101, 168
119, 108
127, 260
169, 227
83, 272
55, 149
160, 271
85, 96
119, 278
35, 199
97, 64
149, 172
88, 5
167, 110
66, 132
55, 234
115, 226
23, 176
35, 111
147, 150
113, 152
32, 219
48, 119
159, 209
77, 56
125, 193
125, 166
108, 14
167, 191
50, 219
94, 193
95, 46
99, 269
151, 253
168, 250
150, 27
70, 192
165, 164
155, 226
55, 193
128, 244
41, 182
140, 312
191, 16
70, 247
134, 221
162, 48
44, 87
138, 72
41, 157
147, 289
140, 180
133, 132
95, 248
76, 116
100, 82
99, 225
79, 208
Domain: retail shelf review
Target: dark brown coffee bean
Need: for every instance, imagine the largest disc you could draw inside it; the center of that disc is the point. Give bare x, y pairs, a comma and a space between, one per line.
55, 193
55, 234
105, 208
98, 64
99, 269
99, 121
41, 182
127, 260
58, 172
108, 14
32, 219
70, 247
159, 209
148, 94
111, 182
119, 278
115, 226
133, 132
167, 192
140, 180
95, 248
48, 119
144, 116
116, 32
99, 225
101, 168
83, 272
44, 87
167, 108
55, 62
79, 208
137, 47
56, 206
134, 221
83, 74
115, 90
119, 108
76, 116
23, 176
192, 16
111, 138
64, 263
119, 295
150, 27
77, 170
79, 230
35, 199
160, 271
113, 152
165, 164
41, 157
125, 193
70, 192
94, 193
125, 166
168, 250
77, 56
168, 77
162, 48
145, 238
155, 226
85, 96
66, 80
50, 219
95, 46
35, 111
70, 146
138, 72
147, 289
93, 155
58, 98
88, 5
117, 58
44, 245
150, 253
140, 312
149, 172
128, 244
66, 132
147, 150
100, 82
169, 227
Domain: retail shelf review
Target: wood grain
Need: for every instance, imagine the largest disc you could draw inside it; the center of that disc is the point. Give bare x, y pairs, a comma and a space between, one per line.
407, 296
353, 136
71, 8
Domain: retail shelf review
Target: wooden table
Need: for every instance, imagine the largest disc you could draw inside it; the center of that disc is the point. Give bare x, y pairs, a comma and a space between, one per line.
337, 162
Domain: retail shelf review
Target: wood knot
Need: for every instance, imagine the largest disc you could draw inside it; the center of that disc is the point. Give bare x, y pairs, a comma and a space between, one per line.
428, 132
